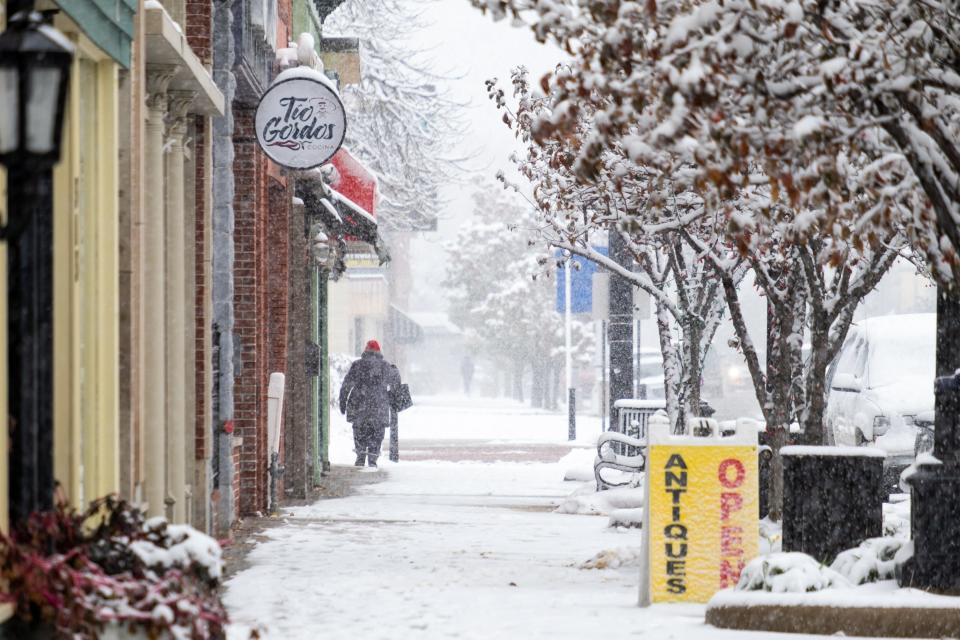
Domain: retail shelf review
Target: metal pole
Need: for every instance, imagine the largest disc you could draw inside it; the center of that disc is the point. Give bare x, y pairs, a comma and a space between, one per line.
568, 321
934, 509
621, 327
636, 358
30, 340
603, 375
641, 388
215, 407
324, 372
316, 422
946, 428
276, 470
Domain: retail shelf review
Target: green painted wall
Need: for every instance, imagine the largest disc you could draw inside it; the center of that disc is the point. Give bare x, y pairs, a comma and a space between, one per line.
315, 424
108, 23
305, 19
322, 302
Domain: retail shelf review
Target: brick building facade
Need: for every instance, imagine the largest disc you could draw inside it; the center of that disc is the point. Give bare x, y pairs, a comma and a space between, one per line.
261, 208
255, 341
198, 16
186, 243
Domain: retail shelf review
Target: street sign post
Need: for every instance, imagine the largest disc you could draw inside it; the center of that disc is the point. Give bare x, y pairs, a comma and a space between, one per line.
574, 295
567, 327
581, 282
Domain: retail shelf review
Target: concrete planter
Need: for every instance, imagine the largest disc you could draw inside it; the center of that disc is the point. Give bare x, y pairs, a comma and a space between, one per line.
832, 499
863, 621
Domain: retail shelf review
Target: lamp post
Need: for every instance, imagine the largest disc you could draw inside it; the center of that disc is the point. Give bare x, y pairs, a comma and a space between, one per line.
35, 63
323, 256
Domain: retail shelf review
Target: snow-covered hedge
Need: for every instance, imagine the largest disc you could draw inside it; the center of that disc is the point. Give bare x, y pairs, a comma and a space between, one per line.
875, 559
788, 573
896, 519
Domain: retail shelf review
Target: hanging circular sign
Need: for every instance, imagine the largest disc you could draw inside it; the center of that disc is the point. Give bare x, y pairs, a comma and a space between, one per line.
300, 121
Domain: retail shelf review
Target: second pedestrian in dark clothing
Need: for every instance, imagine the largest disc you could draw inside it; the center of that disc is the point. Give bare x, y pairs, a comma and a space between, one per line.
365, 399
466, 370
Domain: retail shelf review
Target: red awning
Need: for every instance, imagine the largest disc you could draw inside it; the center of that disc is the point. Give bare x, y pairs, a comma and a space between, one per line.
354, 181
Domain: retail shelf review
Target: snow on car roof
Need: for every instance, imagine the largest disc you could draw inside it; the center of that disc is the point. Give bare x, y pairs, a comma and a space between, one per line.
896, 326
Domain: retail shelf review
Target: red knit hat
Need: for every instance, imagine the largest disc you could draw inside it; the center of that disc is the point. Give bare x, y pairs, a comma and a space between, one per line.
372, 345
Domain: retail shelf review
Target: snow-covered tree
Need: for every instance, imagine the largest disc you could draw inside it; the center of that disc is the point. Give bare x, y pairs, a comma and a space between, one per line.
501, 293
688, 301
677, 169
848, 110
403, 124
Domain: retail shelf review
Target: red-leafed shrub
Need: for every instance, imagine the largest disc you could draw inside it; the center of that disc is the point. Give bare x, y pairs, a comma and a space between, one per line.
82, 572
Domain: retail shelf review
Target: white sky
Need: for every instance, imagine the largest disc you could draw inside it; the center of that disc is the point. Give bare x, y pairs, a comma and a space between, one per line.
474, 46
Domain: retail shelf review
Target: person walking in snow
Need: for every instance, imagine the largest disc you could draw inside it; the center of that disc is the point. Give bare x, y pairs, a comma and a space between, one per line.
466, 370
365, 399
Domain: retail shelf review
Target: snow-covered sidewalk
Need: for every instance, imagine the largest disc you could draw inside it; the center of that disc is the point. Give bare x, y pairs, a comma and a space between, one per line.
443, 549
464, 550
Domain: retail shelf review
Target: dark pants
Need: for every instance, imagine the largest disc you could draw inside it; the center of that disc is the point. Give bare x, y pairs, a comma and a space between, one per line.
367, 438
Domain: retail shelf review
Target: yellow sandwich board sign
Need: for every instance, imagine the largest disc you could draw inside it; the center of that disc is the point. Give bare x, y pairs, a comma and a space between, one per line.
700, 524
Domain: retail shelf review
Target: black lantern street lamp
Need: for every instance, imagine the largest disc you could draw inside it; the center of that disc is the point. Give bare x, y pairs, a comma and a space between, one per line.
320, 248
35, 63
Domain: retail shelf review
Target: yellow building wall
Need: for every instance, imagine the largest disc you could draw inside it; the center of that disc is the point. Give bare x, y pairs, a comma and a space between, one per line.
86, 281
86, 287
86, 290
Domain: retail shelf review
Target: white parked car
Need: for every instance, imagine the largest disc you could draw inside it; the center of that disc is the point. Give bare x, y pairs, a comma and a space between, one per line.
649, 373
881, 380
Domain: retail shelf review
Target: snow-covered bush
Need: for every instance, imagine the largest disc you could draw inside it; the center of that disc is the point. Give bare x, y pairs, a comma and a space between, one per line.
179, 546
788, 573
875, 559
84, 573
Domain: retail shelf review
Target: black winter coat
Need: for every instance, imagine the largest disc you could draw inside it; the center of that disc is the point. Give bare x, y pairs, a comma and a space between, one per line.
365, 394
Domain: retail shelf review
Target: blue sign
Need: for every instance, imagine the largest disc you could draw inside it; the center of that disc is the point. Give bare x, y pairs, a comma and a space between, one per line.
581, 283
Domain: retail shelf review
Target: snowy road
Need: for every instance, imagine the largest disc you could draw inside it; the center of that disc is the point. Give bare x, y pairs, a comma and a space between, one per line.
443, 549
